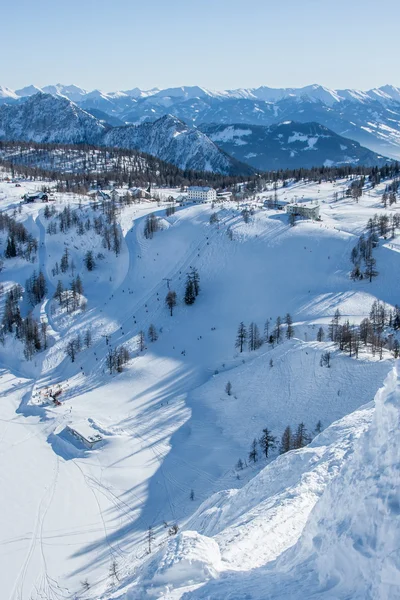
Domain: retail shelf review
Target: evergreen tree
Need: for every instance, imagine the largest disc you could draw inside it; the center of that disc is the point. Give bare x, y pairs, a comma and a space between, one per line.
370, 270
196, 281
318, 428
241, 337
286, 441
189, 291
289, 328
320, 334
142, 341
301, 437
170, 301
88, 338
64, 262
152, 333
11, 250
277, 333
89, 260
267, 441
253, 454
58, 294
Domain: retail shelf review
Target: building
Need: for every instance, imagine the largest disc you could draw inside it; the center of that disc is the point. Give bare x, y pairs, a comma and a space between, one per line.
85, 434
274, 203
306, 209
139, 193
201, 194
102, 196
36, 196
224, 196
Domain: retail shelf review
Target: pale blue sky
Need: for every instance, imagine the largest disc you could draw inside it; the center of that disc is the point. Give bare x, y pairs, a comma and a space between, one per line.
218, 44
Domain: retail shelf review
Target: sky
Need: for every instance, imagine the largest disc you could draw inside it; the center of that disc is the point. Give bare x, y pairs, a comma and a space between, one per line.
218, 44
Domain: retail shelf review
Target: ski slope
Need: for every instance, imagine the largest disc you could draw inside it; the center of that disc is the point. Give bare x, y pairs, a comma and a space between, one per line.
168, 427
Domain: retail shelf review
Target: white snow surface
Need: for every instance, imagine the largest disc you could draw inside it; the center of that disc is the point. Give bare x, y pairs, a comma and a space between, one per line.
168, 427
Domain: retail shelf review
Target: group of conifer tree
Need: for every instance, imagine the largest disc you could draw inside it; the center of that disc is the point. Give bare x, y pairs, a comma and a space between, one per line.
250, 336
267, 442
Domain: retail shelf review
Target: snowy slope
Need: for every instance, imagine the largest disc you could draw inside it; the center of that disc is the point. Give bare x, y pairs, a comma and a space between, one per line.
349, 546
172, 141
168, 426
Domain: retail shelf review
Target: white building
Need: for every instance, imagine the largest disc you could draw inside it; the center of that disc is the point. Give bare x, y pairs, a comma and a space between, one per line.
85, 434
306, 209
201, 194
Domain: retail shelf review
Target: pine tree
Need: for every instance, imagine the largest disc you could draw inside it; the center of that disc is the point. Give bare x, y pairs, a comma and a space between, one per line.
190, 296
320, 335
170, 301
286, 441
89, 260
142, 341
370, 270
253, 454
290, 328
88, 338
152, 333
318, 428
277, 334
58, 294
301, 437
267, 441
241, 337
196, 281
64, 262
11, 250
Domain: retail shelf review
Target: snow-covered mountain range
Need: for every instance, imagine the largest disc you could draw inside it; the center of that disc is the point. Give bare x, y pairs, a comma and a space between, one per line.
55, 119
289, 145
225, 149
370, 117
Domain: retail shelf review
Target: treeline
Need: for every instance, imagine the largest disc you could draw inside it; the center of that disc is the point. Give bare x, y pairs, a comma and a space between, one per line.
96, 166
81, 167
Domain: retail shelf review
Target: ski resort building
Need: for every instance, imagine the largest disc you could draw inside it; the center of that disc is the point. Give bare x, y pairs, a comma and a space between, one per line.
201, 194
224, 196
35, 196
306, 209
85, 434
